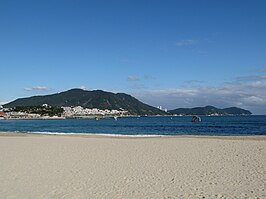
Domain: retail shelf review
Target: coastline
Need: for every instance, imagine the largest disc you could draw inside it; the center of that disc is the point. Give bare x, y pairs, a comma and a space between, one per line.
96, 166
127, 136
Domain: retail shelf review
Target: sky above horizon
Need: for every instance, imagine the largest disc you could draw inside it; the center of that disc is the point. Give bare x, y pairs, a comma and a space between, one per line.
164, 53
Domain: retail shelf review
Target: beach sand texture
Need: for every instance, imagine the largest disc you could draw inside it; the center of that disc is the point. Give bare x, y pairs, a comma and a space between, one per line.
47, 166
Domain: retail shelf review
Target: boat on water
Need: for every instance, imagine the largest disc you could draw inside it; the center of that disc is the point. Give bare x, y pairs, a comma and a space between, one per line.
98, 118
115, 118
196, 118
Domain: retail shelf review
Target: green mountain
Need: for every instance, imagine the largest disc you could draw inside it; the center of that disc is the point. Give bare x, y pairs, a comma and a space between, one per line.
210, 110
89, 99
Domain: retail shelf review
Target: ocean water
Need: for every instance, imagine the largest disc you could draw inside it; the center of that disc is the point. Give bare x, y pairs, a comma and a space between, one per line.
144, 126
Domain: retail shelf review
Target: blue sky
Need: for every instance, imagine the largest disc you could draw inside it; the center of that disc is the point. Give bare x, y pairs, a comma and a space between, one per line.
168, 53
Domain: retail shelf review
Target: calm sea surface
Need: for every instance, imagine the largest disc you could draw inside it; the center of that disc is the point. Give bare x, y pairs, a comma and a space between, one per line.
226, 125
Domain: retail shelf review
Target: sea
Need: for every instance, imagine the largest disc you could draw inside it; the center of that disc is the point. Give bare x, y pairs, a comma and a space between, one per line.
144, 126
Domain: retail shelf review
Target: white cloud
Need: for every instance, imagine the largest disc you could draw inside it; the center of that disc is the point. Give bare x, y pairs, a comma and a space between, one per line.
83, 87
37, 88
251, 78
186, 42
133, 78
2, 103
248, 95
254, 99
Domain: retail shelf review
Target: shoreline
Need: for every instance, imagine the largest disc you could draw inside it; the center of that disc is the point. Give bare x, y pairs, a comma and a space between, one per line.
119, 116
121, 136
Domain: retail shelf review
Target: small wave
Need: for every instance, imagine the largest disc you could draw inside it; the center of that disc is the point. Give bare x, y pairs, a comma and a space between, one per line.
94, 134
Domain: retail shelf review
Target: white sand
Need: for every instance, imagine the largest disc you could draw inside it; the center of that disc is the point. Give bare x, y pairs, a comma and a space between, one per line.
39, 166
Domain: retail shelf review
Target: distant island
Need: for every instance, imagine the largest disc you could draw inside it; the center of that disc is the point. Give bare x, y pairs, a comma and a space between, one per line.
210, 110
78, 103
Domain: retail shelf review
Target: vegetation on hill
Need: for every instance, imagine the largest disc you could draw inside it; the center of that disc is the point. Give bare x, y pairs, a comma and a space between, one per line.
49, 111
90, 99
210, 110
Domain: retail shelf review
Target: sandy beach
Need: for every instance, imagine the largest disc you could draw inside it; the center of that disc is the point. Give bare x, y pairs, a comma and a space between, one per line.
54, 166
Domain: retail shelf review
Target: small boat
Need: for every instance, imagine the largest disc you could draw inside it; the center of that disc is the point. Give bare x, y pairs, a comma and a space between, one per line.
196, 119
98, 118
115, 118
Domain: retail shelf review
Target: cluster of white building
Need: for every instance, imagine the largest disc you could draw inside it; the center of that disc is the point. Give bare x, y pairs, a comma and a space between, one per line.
69, 112
80, 111
162, 109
